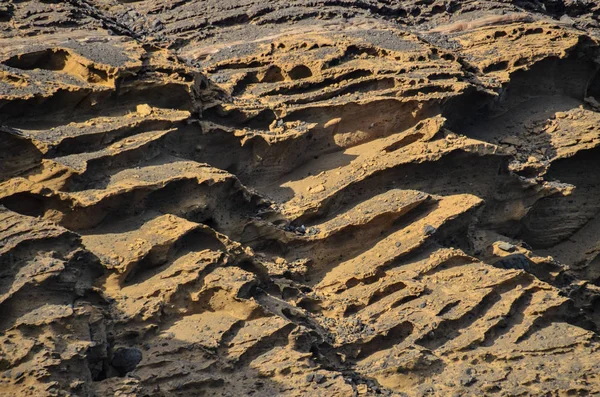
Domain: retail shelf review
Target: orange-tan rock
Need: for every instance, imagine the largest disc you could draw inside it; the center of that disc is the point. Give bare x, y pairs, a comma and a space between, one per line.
299, 198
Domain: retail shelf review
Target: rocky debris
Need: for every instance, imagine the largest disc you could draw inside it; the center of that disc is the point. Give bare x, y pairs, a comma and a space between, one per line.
299, 198
301, 230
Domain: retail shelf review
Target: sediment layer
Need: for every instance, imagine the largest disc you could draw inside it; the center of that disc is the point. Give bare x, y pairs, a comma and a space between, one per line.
311, 198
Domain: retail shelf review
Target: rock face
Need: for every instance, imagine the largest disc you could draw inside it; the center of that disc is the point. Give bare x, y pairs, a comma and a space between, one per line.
303, 198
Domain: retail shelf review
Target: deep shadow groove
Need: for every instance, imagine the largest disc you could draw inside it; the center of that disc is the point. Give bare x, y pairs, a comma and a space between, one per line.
157, 259
514, 318
557, 218
452, 174
385, 340
366, 234
378, 295
450, 329
420, 212
307, 87
47, 59
278, 339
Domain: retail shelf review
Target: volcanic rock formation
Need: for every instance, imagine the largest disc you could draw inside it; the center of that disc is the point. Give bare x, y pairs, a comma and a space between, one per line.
299, 198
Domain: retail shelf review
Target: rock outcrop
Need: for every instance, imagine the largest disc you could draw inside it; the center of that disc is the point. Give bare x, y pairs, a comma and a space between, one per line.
304, 198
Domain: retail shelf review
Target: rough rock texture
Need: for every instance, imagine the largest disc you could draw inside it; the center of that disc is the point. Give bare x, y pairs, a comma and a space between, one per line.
303, 198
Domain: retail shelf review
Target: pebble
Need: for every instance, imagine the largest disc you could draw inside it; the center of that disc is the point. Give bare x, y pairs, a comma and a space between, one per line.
125, 359
320, 378
313, 230
508, 247
515, 261
467, 380
561, 115
143, 110
317, 189
301, 230
429, 230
